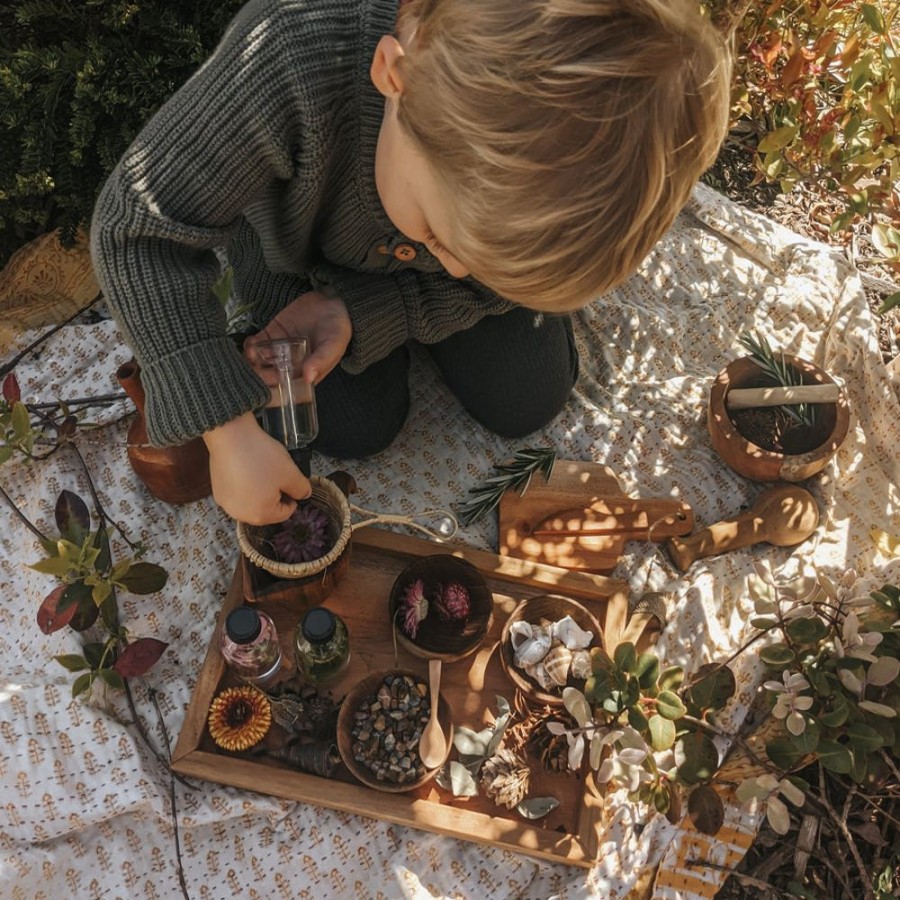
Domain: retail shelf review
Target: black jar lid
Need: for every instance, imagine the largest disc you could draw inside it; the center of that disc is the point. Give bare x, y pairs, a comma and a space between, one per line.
318, 625
243, 625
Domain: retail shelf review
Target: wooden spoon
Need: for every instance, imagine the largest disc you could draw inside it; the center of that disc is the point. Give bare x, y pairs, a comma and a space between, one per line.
784, 515
433, 743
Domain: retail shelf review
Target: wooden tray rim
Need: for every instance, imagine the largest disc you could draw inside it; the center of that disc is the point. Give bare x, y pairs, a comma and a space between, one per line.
579, 849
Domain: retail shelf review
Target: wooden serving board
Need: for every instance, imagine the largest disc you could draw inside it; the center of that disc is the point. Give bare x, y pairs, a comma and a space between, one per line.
570, 833
555, 522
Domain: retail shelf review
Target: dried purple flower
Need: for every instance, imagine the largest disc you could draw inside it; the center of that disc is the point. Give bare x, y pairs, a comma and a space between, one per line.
414, 607
453, 601
304, 536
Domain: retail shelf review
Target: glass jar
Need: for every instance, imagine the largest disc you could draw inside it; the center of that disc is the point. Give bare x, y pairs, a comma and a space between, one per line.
321, 645
250, 645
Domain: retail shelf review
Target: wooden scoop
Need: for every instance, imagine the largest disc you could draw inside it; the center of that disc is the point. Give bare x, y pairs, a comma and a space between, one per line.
433, 743
784, 515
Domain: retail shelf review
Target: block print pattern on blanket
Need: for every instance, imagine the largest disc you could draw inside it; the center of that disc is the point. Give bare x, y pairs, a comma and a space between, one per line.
86, 806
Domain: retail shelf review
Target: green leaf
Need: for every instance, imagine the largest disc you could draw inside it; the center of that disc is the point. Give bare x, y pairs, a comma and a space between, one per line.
144, 578
53, 565
778, 139
104, 557
864, 737
696, 757
637, 720
671, 678
72, 517
860, 764
112, 678
874, 19
706, 809
625, 657
836, 713
783, 753
712, 688
647, 670
669, 705
835, 757
777, 656
21, 425
806, 629
72, 661
808, 739
764, 623
93, 653
7, 451
82, 683
662, 733
74, 594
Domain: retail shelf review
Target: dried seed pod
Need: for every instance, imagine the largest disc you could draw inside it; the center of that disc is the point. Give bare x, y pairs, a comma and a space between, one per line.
316, 757
505, 778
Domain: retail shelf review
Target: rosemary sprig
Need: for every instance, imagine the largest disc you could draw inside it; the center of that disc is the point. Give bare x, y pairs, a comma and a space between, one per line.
515, 474
778, 369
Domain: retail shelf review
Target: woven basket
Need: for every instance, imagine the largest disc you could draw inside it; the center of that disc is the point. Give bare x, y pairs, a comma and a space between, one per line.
332, 501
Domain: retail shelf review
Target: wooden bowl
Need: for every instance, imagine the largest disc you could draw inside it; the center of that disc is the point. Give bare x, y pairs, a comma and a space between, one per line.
757, 463
437, 637
352, 702
552, 607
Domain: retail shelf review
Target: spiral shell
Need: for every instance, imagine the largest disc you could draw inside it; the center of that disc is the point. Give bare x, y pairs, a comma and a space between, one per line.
557, 663
539, 673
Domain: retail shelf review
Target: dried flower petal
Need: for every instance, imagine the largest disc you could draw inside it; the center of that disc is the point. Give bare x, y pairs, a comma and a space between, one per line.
453, 601
414, 607
239, 718
304, 536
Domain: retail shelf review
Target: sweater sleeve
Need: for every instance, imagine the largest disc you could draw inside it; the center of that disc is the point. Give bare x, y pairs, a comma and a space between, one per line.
387, 310
224, 140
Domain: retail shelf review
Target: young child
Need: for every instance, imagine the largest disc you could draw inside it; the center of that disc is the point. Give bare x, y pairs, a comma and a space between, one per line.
438, 178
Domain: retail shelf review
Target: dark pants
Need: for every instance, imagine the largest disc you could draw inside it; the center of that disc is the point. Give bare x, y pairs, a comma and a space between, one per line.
512, 373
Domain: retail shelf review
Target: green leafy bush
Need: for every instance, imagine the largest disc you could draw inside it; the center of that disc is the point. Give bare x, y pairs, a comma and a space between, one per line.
817, 86
77, 82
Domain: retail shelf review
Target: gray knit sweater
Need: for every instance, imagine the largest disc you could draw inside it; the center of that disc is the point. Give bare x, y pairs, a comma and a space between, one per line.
269, 150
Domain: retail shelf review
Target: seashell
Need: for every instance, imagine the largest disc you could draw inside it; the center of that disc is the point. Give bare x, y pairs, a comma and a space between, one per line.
568, 632
557, 663
581, 664
539, 673
533, 650
519, 632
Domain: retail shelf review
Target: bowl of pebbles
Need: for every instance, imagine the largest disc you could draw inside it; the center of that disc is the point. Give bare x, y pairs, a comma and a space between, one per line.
378, 729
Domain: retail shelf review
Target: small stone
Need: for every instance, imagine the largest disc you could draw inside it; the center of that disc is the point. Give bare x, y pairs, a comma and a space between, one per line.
379, 723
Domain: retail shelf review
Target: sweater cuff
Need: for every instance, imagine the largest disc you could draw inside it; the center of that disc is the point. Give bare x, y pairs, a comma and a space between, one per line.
377, 313
197, 389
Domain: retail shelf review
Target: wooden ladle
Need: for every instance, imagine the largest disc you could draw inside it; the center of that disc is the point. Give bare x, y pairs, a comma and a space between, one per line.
433, 742
783, 515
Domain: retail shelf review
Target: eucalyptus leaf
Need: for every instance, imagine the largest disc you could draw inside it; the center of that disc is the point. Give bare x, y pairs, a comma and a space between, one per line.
837, 712
662, 732
625, 657
806, 629
472, 743
808, 739
835, 757
783, 753
778, 656
462, 784
669, 705
670, 679
577, 706
706, 809
864, 737
711, 688
647, 670
883, 671
696, 757
537, 807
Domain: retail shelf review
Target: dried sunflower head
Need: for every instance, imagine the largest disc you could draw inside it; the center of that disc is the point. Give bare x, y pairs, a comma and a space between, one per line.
239, 718
304, 536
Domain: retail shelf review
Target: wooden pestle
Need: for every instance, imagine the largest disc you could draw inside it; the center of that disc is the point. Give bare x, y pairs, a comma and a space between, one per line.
745, 398
783, 515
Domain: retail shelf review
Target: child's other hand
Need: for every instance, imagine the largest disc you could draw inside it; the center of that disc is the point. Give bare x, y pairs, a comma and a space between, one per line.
253, 477
320, 318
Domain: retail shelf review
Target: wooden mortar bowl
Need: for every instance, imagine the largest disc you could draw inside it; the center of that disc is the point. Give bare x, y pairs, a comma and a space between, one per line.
754, 462
552, 607
436, 638
370, 685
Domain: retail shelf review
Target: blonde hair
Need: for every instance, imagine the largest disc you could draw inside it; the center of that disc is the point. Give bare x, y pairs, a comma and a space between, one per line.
566, 134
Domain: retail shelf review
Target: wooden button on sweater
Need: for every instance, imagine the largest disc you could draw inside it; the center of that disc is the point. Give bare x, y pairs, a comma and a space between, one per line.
405, 252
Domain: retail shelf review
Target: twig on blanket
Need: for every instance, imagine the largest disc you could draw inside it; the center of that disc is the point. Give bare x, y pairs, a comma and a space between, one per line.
7, 367
172, 800
21, 517
748, 880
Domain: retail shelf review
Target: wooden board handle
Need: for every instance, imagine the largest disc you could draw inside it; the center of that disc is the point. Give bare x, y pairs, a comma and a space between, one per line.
784, 515
648, 519
746, 398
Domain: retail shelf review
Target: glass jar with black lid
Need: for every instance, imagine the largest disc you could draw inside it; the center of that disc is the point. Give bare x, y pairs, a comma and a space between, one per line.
321, 645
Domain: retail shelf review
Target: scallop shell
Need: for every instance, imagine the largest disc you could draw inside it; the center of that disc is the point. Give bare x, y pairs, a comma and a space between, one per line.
539, 673
557, 663
568, 632
581, 664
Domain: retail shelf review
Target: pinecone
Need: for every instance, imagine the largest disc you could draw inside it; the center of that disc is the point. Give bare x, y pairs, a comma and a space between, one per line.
551, 749
505, 778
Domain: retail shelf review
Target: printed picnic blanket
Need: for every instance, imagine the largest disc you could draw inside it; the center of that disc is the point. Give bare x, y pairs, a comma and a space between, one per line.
86, 806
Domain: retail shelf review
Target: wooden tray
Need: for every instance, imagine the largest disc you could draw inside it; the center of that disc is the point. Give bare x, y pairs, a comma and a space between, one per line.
568, 834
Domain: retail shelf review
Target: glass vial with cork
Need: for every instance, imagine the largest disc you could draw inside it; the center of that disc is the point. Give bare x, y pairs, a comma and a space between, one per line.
321, 645
250, 645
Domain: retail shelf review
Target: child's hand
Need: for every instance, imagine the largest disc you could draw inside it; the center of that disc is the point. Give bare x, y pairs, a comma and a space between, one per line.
253, 477
322, 319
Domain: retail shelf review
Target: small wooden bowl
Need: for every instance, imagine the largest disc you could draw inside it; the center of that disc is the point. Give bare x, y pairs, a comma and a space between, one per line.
754, 462
354, 699
552, 607
437, 638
